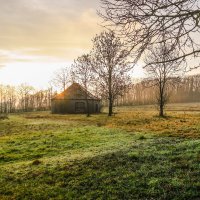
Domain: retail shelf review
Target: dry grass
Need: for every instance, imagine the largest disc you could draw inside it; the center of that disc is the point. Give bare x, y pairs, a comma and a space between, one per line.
132, 155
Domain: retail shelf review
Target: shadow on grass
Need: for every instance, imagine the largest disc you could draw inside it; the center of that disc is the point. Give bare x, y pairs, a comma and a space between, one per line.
162, 173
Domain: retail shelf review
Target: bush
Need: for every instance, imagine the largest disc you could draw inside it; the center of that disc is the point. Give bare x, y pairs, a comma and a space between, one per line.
3, 116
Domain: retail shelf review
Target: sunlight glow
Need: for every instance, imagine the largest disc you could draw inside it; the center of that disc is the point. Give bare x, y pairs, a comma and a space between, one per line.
36, 74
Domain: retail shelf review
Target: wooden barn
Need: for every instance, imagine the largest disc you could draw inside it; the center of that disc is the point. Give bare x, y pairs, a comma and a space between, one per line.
73, 100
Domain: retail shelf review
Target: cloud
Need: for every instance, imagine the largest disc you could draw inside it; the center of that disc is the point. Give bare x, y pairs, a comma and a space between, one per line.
39, 36
53, 28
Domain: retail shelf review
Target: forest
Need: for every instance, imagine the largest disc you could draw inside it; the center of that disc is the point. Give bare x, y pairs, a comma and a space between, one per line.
188, 90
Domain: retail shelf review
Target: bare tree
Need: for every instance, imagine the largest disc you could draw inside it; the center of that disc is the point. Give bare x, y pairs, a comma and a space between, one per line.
163, 75
62, 78
25, 92
109, 63
7, 99
24, 98
11, 98
49, 96
139, 23
1, 98
82, 72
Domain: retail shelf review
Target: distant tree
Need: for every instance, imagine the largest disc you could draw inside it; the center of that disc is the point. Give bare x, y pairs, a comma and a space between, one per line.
62, 78
25, 92
11, 98
82, 73
7, 99
109, 63
49, 96
1, 98
163, 72
39, 99
24, 98
139, 23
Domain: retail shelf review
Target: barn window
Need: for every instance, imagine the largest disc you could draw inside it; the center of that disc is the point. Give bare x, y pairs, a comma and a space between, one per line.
80, 107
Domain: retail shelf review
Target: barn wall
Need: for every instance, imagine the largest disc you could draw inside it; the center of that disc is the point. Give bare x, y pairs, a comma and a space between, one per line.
68, 106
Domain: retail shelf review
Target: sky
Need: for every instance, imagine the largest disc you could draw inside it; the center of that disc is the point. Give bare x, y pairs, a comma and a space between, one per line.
37, 37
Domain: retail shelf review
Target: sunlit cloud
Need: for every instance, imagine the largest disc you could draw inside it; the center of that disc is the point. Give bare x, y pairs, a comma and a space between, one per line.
46, 24
43, 35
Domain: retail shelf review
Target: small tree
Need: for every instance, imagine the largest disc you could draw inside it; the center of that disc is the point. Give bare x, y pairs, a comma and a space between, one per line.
82, 73
109, 63
62, 78
165, 74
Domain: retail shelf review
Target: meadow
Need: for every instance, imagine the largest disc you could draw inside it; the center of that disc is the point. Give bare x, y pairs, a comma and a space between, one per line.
131, 155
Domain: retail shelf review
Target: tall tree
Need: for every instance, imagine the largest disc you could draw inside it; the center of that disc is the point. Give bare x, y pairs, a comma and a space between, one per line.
82, 72
162, 74
109, 63
139, 23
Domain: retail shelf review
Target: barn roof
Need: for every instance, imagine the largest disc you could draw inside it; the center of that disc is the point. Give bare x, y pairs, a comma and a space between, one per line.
75, 91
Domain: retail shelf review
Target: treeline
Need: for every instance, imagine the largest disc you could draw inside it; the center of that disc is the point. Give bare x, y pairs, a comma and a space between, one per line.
143, 93
24, 98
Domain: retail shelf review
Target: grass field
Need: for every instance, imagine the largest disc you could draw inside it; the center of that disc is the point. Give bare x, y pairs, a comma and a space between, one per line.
132, 155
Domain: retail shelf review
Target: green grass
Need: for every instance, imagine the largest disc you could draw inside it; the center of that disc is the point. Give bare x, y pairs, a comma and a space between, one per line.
133, 155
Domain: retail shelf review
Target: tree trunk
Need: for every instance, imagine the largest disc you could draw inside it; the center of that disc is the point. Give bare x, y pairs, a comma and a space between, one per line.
110, 107
110, 93
88, 109
86, 97
161, 100
161, 105
161, 113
